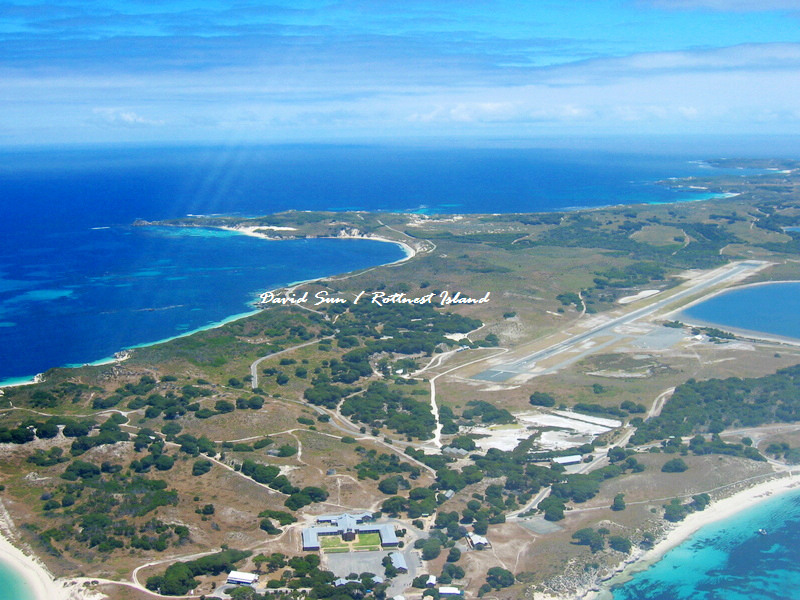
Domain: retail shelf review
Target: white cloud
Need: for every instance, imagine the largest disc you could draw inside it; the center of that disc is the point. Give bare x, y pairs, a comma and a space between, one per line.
739, 89
522, 111
124, 118
726, 5
743, 58
732, 90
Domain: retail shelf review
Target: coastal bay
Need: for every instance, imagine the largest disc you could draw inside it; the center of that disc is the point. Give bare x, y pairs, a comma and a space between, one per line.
360, 301
698, 557
152, 285
24, 578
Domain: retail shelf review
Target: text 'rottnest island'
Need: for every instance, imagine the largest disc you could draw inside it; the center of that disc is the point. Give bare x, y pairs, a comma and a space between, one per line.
444, 298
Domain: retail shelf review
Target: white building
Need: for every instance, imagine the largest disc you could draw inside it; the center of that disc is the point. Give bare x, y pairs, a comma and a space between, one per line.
477, 542
447, 590
241, 578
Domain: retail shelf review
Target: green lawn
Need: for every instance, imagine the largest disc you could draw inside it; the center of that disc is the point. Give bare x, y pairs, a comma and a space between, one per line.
329, 542
364, 541
367, 539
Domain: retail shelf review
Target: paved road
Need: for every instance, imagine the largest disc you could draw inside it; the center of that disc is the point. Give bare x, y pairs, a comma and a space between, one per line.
258, 361
524, 365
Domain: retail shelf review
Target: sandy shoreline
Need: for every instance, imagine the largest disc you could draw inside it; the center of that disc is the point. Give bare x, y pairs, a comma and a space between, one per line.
253, 231
41, 585
716, 511
35, 579
746, 334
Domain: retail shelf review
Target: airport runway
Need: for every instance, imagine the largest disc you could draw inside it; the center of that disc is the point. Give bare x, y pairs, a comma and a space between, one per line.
524, 365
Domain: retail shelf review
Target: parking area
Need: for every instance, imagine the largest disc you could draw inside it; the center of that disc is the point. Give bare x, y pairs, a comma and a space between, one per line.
344, 563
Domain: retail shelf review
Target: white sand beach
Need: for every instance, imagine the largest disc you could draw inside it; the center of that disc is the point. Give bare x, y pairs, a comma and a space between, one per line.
36, 578
253, 231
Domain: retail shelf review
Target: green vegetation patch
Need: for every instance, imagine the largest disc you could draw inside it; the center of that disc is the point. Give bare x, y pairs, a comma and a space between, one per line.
711, 406
329, 542
178, 579
367, 539
382, 405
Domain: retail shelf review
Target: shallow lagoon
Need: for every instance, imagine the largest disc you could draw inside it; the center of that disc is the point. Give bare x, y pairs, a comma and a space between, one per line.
772, 308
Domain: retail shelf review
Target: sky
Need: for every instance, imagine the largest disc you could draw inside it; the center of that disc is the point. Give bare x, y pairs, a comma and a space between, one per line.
273, 71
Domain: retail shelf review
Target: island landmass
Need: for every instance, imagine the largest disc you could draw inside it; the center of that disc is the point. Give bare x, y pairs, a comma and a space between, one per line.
559, 426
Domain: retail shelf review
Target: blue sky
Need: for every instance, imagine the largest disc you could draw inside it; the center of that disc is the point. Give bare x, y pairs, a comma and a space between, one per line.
244, 71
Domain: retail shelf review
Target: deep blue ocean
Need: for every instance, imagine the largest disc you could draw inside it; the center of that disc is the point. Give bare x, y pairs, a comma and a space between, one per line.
772, 308
79, 283
729, 560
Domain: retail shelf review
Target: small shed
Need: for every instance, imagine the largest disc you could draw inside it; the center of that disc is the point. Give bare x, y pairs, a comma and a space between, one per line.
478, 542
241, 578
447, 590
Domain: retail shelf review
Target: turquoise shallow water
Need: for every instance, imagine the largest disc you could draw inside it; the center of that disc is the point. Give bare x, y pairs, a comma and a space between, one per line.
729, 560
12, 586
772, 308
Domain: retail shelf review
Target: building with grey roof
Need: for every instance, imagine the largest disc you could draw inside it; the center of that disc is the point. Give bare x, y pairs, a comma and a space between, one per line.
347, 526
456, 452
573, 459
398, 562
478, 542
